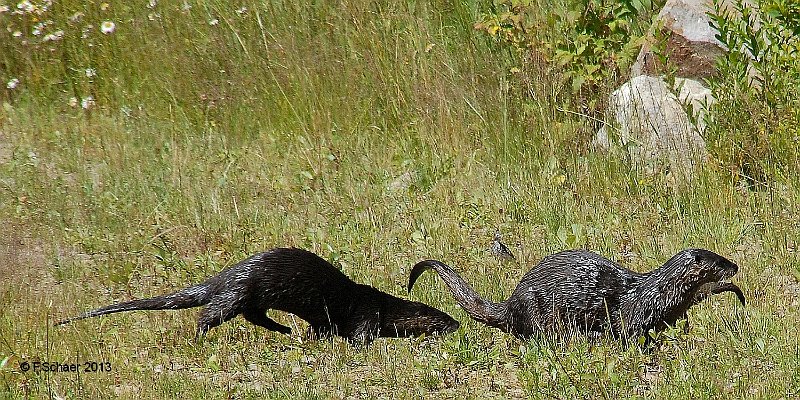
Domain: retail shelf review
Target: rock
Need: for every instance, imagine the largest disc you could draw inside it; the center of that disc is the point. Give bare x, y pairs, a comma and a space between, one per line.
693, 94
689, 43
649, 121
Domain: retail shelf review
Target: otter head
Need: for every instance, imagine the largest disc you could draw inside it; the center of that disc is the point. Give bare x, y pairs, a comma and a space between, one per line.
712, 266
704, 267
686, 279
410, 318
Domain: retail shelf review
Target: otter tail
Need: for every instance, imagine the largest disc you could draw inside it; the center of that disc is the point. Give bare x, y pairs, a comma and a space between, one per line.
479, 309
192, 296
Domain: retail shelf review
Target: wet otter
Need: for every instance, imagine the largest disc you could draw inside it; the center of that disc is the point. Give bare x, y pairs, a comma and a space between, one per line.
578, 291
299, 282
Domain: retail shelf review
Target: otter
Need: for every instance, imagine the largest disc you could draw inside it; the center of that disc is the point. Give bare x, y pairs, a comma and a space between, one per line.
577, 291
302, 283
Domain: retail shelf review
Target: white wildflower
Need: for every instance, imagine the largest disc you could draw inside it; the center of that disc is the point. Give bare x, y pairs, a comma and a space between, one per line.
152, 4
12, 84
52, 37
37, 29
107, 27
44, 6
26, 6
87, 102
91, 72
213, 22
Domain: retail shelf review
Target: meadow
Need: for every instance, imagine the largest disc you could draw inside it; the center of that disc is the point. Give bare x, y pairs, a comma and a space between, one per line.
149, 145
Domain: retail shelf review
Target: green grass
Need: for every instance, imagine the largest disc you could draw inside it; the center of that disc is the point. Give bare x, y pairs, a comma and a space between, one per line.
375, 135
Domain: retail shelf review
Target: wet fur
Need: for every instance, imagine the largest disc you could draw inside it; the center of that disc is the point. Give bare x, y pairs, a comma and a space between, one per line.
578, 291
299, 282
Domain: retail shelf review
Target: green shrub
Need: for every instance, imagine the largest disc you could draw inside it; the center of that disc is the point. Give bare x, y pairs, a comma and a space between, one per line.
589, 44
753, 129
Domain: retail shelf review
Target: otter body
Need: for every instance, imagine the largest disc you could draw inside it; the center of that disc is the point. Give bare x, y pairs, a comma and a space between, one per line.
578, 291
299, 282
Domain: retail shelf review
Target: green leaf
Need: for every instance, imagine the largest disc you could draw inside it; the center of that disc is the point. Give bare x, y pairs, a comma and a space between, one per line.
577, 82
591, 69
562, 234
308, 175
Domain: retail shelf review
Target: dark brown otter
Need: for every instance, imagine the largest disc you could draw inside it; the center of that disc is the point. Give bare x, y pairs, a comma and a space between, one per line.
578, 291
299, 282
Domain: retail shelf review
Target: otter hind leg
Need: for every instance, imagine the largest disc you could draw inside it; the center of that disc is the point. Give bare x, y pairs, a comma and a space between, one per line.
220, 309
260, 318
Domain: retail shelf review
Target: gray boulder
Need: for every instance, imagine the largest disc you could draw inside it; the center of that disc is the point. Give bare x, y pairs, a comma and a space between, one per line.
689, 44
649, 122
697, 98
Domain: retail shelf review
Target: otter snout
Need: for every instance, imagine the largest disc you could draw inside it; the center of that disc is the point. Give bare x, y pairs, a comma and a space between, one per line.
715, 266
729, 269
721, 270
451, 327
411, 318
441, 324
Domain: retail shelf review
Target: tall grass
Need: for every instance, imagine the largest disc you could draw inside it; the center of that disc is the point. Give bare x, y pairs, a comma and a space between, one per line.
374, 134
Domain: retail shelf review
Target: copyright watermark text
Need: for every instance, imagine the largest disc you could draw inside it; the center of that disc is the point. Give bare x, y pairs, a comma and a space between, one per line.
56, 366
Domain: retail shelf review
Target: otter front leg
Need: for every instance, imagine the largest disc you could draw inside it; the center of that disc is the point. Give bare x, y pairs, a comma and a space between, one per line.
685, 327
259, 317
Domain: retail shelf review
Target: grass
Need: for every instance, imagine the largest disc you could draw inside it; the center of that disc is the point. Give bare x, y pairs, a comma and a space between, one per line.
375, 135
